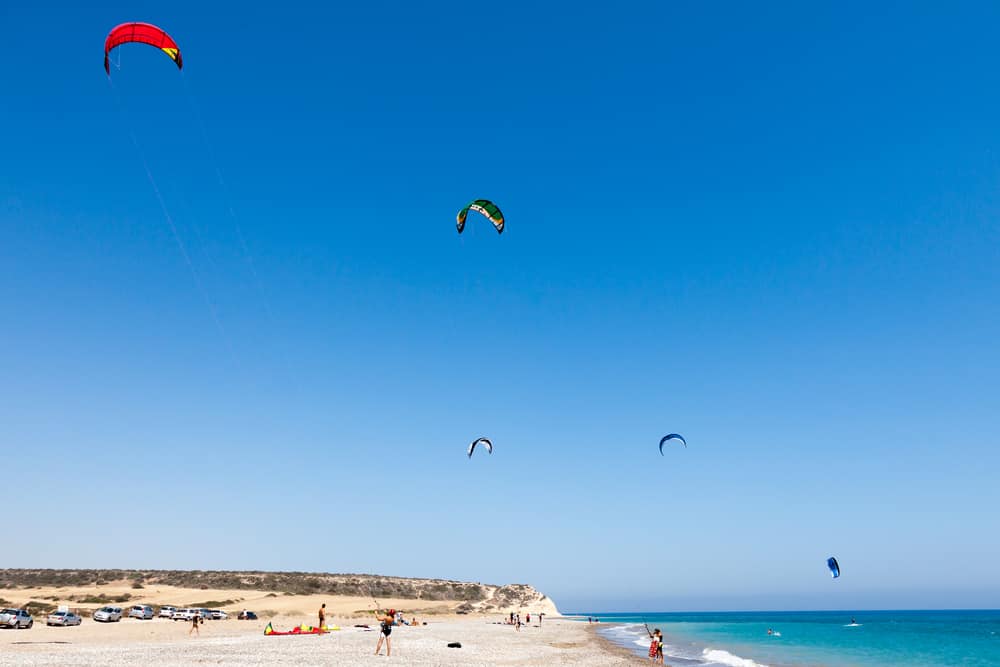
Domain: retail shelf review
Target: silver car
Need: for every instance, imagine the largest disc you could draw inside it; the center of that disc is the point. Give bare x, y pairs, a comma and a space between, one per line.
15, 618
167, 612
63, 618
108, 614
141, 611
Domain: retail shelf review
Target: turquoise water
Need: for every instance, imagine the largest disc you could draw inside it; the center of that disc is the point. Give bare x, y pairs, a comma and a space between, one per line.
815, 639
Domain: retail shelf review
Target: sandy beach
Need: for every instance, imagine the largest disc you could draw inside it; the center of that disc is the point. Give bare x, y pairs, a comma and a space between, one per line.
230, 642
485, 640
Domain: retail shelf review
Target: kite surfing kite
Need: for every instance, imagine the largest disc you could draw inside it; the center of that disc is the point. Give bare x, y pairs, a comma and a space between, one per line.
485, 443
672, 436
831, 563
487, 208
143, 33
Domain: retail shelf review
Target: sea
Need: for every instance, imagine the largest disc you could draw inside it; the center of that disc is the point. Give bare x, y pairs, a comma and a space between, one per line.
814, 638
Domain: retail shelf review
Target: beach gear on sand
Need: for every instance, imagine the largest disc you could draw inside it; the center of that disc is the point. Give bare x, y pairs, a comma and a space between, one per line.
299, 630
455, 645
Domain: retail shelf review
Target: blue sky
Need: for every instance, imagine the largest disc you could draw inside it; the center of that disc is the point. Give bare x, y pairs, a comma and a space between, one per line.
772, 229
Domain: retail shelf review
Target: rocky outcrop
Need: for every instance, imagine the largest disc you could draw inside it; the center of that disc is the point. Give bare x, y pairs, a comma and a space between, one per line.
517, 598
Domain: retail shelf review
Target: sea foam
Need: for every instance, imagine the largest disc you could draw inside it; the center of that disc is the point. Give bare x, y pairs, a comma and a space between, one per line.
726, 658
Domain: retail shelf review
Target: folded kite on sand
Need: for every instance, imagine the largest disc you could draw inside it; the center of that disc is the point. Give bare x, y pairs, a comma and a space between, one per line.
301, 630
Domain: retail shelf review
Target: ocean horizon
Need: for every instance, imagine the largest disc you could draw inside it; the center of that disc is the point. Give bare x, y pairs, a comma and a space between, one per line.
914, 638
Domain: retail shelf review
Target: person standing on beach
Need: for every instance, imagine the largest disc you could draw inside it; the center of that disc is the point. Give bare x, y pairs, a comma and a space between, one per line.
322, 616
385, 629
655, 645
194, 625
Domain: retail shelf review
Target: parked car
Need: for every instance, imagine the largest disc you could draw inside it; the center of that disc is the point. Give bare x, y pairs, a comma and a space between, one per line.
141, 611
206, 614
184, 614
219, 615
15, 618
167, 612
63, 618
108, 614
247, 616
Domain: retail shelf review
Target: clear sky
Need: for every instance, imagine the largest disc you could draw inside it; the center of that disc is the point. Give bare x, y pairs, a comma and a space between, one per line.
772, 228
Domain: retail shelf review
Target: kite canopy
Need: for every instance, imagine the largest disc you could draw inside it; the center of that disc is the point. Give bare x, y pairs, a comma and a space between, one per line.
672, 436
487, 208
831, 563
485, 443
144, 33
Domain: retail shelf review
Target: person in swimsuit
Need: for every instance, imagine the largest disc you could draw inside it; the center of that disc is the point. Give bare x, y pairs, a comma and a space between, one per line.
654, 643
322, 616
194, 625
385, 629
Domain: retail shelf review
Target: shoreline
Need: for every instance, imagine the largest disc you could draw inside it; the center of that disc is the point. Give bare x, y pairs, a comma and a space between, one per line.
612, 647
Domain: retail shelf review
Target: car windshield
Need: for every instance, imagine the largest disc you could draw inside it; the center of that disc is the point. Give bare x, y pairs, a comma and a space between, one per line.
58, 613
9, 611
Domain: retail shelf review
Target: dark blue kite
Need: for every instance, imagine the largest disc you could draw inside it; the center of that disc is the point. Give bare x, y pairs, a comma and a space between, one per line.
831, 563
672, 436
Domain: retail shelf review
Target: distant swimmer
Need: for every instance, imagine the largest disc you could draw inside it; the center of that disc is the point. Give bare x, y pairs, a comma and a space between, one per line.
853, 622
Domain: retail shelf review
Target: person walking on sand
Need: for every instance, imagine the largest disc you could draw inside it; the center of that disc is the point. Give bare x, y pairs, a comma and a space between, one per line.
194, 625
385, 629
322, 616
